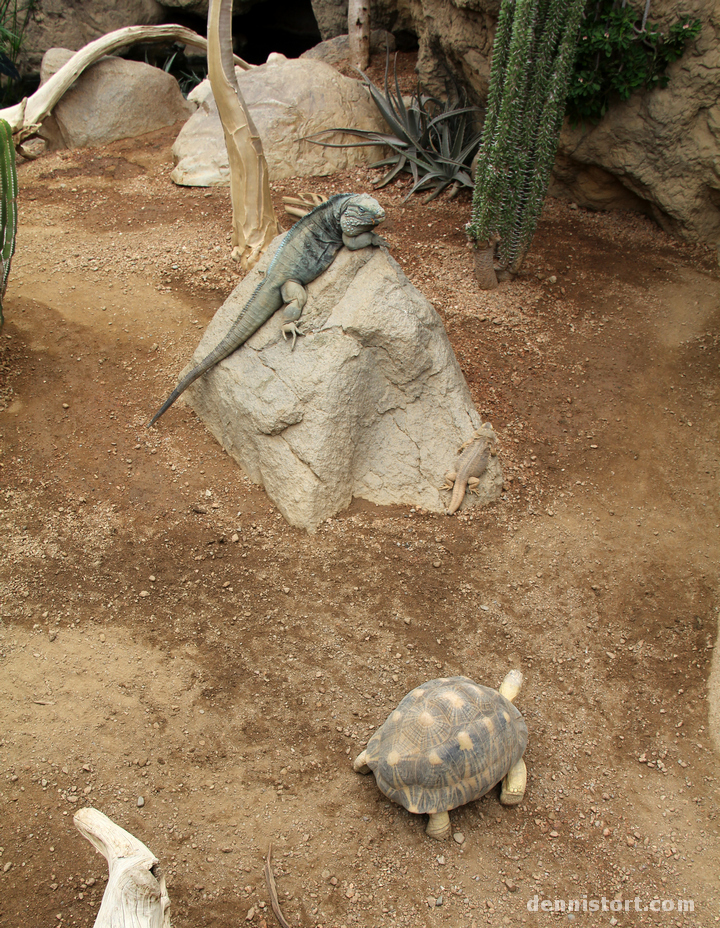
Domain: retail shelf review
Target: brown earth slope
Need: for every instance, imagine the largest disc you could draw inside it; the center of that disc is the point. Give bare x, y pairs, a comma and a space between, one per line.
165, 635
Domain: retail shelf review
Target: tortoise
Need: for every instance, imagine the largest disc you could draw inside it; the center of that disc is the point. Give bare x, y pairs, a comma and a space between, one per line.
449, 742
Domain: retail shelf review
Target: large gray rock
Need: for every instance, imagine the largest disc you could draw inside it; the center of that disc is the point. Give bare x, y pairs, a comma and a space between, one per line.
113, 99
288, 100
74, 23
371, 403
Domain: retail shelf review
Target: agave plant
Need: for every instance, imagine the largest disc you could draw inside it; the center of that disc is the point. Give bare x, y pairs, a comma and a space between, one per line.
431, 139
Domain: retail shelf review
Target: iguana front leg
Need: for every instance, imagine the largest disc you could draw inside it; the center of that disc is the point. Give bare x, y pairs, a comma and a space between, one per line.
356, 242
295, 296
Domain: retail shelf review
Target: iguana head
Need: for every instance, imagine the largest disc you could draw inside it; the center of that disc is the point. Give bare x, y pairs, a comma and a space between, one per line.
361, 213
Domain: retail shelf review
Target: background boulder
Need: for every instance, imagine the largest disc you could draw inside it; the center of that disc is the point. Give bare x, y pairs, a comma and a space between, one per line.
288, 100
371, 403
112, 99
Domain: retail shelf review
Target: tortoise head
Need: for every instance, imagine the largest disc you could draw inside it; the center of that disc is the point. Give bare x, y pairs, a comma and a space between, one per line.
361, 214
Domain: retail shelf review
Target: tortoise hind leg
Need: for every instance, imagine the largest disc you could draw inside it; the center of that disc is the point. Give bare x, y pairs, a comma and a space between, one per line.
513, 786
438, 825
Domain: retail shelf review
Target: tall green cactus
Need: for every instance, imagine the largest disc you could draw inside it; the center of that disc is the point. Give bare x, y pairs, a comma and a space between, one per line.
533, 56
8, 207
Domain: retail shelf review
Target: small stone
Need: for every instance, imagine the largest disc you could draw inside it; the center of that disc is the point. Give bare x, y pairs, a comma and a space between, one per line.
66, 406
437, 563
235, 537
102, 637
43, 782
441, 859
251, 914
459, 837
140, 802
511, 887
7, 866
52, 634
439, 901
552, 279
144, 593
606, 832
326, 874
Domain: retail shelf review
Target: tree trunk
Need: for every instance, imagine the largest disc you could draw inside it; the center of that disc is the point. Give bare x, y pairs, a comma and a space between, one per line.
359, 32
254, 222
135, 896
484, 253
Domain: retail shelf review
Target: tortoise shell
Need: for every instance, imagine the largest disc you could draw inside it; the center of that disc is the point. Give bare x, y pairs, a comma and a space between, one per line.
447, 743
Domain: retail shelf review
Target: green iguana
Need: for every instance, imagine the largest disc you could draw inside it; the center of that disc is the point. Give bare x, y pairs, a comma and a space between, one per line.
306, 250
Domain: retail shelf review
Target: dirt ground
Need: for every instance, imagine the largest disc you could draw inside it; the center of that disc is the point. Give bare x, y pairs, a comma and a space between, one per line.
166, 635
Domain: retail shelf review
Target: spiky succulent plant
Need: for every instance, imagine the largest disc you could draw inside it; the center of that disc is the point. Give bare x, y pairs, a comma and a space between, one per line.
433, 140
8, 206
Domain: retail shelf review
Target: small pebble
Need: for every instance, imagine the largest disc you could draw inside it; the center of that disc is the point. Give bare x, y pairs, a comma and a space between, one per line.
437, 564
250, 915
439, 901
326, 874
52, 634
459, 837
140, 802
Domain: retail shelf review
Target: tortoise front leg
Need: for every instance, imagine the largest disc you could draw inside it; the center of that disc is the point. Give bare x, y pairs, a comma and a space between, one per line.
438, 825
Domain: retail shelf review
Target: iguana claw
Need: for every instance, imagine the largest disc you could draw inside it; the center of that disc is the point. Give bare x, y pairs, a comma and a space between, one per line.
291, 329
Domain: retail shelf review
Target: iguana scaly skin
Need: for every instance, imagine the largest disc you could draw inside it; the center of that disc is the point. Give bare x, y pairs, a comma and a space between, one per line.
306, 250
474, 458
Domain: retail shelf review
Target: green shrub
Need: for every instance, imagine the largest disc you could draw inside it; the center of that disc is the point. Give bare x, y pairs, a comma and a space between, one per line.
619, 53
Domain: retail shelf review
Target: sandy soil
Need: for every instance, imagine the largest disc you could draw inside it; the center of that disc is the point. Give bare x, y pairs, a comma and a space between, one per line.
166, 635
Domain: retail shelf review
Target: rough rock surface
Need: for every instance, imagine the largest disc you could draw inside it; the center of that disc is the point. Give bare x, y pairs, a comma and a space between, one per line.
74, 23
112, 99
659, 152
288, 100
371, 403
336, 51
394, 15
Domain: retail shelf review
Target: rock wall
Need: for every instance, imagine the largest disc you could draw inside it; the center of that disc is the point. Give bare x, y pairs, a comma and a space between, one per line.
73, 23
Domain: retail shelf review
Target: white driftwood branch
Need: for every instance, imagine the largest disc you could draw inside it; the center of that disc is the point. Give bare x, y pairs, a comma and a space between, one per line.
135, 896
254, 222
31, 112
359, 32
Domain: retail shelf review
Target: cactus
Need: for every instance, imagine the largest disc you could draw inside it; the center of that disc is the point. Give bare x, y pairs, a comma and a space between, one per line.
533, 56
8, 207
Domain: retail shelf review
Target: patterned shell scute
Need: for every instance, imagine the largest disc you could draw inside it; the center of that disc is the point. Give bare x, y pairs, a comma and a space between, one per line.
447, 743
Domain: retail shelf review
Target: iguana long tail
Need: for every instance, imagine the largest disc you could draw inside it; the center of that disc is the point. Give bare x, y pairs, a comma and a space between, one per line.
239, 333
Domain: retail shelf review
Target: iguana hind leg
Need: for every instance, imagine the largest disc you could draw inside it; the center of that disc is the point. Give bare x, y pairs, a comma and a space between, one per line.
295, 296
